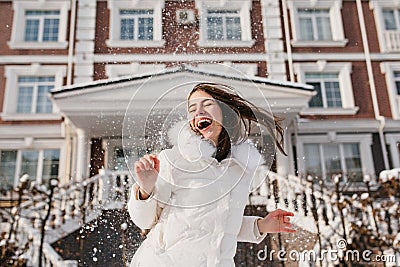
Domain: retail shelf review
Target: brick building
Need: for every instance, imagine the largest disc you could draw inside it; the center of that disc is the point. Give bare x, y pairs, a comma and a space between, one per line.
331, 68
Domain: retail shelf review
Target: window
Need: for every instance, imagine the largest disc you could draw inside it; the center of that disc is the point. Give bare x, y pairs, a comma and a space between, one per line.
40, 25
40, 165
225, 25
332, 84
396, 75
391, 19
314, 24
317, 23
326, 160
387, 20
334, 153
328, 90
32, 94
27, 90
135, 23
7, 168
392, 75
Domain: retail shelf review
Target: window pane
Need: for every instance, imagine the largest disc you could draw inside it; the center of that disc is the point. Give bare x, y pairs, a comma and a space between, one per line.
31, 30
353, 161
127, 29
50, 31
306, 29
390, 21
312, 160
7, 168
233, 28
324, 29
333, 97
316, 101
332, 160
29, 163
51, 161
215, 28
25, 95
145, 29
43, 102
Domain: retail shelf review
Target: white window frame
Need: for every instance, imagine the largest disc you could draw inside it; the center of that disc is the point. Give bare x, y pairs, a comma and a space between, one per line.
346, 89
133, 69
392, 139
334, 6
11, 93
244, 7
388, 69
378, 6
18, 29
364, 141
29, 143
115, 23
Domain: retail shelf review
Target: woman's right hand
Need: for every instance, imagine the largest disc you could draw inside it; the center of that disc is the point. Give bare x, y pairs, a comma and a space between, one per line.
146, 170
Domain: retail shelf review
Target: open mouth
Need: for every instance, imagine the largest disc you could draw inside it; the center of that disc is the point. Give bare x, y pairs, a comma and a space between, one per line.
203, 123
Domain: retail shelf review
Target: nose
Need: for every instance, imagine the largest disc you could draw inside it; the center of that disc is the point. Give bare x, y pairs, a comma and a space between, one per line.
199, 111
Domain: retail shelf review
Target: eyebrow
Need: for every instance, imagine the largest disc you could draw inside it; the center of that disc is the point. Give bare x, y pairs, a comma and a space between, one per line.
202, 101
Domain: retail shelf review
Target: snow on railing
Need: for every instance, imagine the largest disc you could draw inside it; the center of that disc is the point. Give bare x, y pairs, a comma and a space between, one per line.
73, 205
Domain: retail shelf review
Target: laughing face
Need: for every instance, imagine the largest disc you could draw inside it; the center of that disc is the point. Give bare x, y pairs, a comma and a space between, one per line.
205, 115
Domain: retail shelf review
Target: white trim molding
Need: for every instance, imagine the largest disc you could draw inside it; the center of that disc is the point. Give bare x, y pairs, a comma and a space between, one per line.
118, 70
115, 6
336, 22
242, 69
385, 38
344, 70
244, 7
18, 29
393, 140
388, 69
11, 93
364, 140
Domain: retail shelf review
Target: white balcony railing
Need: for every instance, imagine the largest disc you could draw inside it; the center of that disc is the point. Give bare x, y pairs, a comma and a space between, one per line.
392, 40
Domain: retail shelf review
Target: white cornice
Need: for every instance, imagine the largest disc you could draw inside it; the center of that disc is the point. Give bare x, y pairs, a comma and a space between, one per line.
100, 58
31, 130
337, 125
28, 59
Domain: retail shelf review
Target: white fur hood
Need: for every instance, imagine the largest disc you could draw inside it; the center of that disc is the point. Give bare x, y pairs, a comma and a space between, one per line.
194, 147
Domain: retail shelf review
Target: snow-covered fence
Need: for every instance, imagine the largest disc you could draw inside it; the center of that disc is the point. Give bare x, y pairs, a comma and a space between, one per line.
71, 206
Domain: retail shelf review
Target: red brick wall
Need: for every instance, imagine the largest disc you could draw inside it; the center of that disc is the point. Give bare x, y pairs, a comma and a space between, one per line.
6, 23
179, 39
352, 32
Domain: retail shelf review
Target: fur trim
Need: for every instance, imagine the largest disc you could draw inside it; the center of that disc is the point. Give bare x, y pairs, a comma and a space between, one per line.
194, 147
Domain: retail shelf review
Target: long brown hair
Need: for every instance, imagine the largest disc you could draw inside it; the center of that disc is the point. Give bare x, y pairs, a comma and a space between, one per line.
238, 114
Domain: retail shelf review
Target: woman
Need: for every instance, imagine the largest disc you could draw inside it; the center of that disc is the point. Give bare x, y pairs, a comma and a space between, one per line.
192, 197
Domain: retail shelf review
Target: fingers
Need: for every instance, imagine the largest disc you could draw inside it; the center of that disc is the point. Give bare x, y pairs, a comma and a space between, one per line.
280, 212
156, 161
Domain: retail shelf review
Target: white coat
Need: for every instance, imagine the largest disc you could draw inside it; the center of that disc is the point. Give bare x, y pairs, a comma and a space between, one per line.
195, 212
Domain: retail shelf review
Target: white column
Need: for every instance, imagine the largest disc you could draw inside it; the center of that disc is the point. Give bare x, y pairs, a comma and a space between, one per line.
82, 155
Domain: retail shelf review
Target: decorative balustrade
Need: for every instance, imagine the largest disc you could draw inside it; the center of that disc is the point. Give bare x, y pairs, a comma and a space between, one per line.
392, 40
73, 204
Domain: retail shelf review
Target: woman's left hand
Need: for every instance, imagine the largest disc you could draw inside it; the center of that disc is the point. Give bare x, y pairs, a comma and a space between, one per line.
276, 221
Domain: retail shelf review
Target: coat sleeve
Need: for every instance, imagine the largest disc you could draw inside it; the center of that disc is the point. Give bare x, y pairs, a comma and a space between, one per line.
249, 230
145, 213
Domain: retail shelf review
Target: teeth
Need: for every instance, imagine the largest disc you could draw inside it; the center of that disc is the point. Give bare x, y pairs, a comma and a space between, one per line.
203, 123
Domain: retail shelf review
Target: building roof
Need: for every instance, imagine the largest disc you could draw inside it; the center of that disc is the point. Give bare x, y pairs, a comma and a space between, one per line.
181, 68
